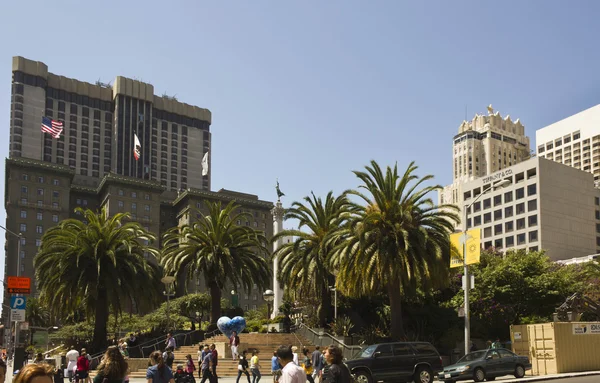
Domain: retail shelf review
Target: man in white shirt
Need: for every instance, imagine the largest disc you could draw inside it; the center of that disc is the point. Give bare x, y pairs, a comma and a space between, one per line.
290, 373
72, 356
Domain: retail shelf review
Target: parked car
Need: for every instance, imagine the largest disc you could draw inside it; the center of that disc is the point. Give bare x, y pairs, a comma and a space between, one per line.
486, 365
396, 362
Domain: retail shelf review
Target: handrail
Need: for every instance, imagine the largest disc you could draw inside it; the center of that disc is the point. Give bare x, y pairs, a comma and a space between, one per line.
317, 339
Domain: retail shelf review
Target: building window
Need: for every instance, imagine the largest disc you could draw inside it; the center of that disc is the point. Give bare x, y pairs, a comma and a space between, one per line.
23, 241
498, 243
509, 241
40, 216
508, 197
38, 229
38, 242
264, 225
476, 221
497, 200
508, 227
78, 201
476, 207
120, 203
520, 193
531, 189
23, 228
41, 180
120, 191
24, 189
55, 205
55, 182
147, 207
532, 205
498, 229
134, 205
597, 213
487, 232
84, 202
255, 224
520, 208
498, 214
133, 195
54, 218
533, 236
532, 220
487, 203
23, 213
521, 223
147, 197
40, 192
25, 177
55, 194
40, 203
487, 218
520, 239
24, 202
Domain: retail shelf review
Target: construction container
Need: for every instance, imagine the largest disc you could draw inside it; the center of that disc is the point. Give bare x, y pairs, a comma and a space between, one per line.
558, 347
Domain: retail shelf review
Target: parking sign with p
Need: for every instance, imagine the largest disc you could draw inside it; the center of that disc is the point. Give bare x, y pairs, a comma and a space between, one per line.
17, 303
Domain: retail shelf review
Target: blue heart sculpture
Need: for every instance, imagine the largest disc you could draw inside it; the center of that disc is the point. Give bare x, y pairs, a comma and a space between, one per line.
228, 326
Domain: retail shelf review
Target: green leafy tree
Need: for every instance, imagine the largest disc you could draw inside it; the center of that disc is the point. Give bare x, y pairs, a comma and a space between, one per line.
219, 249
98, 265
397, 240
305, 263
517, 287
37, 313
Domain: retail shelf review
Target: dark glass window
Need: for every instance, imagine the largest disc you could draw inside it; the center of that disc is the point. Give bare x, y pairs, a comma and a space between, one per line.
520, 193
531, 189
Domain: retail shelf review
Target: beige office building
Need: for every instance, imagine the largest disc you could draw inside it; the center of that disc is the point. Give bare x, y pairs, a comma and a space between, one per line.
546, 206
573, 141
484, 145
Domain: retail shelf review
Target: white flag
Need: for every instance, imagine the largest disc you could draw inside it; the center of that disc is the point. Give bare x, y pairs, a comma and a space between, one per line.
137, 147
205, 164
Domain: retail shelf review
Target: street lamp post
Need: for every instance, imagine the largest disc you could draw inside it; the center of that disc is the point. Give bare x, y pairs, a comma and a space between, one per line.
467, 284
19, 236
168, 282
334, 289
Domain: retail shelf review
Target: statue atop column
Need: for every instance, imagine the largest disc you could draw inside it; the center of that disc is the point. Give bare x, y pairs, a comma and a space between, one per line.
279, 192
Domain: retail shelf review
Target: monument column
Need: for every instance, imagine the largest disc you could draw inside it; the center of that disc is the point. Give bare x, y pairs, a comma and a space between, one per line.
277, 212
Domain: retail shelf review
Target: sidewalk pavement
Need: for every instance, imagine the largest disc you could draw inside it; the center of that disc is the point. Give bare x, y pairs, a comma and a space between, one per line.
541, 378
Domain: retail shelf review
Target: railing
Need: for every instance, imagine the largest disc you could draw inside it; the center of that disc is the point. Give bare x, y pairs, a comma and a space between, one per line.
325, 339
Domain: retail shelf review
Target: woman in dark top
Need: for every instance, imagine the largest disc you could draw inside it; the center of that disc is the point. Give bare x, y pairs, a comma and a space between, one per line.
113, 367
158, 372
243, 367
337, 372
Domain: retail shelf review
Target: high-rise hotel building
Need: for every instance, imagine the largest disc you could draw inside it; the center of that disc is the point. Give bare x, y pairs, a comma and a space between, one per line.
92, 164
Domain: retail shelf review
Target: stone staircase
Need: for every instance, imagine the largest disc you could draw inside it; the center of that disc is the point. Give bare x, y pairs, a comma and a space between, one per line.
226, 367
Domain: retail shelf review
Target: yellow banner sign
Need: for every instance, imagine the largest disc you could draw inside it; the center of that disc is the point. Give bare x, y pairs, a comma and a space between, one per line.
473, 247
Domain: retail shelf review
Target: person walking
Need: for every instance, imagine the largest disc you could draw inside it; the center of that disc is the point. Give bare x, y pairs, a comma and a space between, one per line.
290, 372
338, 372
215, 362
158, 372
38, 373
206, 366
497, 344
170, 342
234, 342
169, 357
316, 361
190, 367
83, 368
243, 367
113, 367
72, 357
307, 365
255, 367
295, 360
275, 367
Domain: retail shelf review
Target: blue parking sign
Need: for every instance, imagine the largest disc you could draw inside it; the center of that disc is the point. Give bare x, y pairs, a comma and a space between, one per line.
17, 303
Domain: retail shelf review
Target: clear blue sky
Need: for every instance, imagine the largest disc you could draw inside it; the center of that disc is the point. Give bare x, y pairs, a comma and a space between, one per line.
309, 90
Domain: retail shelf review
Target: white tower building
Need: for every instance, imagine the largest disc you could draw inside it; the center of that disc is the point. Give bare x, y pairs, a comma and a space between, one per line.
278, 212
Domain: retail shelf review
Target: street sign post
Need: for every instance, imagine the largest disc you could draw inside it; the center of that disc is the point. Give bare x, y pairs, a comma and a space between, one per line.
17, 315
18, 303
19, 285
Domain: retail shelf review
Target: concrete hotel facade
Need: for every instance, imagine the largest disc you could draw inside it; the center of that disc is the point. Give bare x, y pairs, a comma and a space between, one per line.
573, 141
546, 206
92, 166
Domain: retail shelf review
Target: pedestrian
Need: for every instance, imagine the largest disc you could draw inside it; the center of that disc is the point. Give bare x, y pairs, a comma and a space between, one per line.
316, 361
40, 373
190, 366
294, 349
234, 342
307, 365
497, 344
488, 344
113, 367
215, 362
170, 342
338, 372
206, 366
72, 357
83, 367
2, 369
290, 372
169, 357
255, 367
275, 367
180, 375
39, 358
243, 367
473, 347
324, 367
125, 349
158, 372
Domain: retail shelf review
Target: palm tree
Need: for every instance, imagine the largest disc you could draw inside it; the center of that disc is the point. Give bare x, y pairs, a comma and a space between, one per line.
98, 265
37, 313
397, 240
220, 250
304, 263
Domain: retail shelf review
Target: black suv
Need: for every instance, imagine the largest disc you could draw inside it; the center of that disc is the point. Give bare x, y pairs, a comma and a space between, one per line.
396, 362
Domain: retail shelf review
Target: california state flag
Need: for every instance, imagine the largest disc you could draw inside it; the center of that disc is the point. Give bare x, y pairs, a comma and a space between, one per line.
137, 147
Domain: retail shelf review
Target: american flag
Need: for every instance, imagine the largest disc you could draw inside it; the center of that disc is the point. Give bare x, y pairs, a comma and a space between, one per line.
55, 128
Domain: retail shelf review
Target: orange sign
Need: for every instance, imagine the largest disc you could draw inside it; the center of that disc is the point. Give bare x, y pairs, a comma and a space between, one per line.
19, 285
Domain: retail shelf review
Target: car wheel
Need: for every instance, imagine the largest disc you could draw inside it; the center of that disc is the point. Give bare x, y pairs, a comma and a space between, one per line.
423, 375
362, 376
479, 375
519, 371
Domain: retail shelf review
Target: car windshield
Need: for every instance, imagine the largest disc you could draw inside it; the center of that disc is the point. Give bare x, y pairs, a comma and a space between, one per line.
367, 352
472, 356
